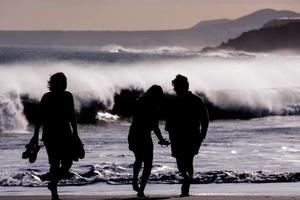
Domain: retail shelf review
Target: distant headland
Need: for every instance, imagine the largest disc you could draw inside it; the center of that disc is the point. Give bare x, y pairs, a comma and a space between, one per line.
205, 33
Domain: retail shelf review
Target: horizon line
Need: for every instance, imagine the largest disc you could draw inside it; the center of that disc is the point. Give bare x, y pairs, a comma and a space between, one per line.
139, 30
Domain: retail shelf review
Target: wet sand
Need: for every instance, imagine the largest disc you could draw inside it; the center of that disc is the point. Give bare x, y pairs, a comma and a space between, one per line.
129, 197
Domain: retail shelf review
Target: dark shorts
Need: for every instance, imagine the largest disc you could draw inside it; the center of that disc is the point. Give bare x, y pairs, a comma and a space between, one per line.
184, 144
140, 141
145, 155
58, 151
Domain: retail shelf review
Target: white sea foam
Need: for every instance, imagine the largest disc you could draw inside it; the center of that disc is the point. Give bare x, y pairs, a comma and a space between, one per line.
11, 117
107, 117
207, 74
159, 50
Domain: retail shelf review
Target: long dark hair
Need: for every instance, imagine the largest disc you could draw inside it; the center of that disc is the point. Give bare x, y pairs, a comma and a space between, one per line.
57, 82
153, 95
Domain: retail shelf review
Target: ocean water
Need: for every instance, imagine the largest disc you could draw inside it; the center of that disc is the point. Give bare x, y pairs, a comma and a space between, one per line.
263, 150
236, 153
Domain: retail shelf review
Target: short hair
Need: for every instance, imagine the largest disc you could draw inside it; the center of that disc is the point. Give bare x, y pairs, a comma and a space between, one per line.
57, 82
180, 81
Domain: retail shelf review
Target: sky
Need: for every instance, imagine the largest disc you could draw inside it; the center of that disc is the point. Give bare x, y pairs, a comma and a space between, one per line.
126, 14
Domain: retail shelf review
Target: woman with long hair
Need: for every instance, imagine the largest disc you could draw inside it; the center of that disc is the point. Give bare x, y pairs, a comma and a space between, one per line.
140, 142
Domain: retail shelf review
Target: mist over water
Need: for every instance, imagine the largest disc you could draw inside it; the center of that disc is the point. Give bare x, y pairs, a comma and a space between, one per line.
204, 73
264, 81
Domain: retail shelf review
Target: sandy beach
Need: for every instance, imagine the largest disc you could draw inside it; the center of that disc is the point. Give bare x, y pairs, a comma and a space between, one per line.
102, 197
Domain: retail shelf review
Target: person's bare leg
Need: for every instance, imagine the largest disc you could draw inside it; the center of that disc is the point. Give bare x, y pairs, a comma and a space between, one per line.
188, 177
137, 165
183, 169
54, 177
145, 176
64, 169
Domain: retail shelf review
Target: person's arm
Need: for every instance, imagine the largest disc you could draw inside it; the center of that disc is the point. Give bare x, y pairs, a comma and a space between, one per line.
38, 122
73, 116
35, 138
157, 132
204, 119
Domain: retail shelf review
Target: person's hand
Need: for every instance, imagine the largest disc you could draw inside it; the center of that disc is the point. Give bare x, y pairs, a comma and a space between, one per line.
164, 142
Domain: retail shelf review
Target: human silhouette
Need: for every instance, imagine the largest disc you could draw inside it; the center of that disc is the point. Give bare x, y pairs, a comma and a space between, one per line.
140, 142
57, 116
187, 114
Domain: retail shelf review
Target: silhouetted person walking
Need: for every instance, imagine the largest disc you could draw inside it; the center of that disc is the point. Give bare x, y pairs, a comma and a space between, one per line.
187, 113
57, 116
140, 142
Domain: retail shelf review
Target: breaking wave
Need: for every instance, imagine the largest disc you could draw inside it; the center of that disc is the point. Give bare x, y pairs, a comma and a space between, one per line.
236, 84
11, 113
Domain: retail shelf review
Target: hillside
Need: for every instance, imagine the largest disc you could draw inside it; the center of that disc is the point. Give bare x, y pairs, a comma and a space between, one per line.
205, 33
269, 38
217, 31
